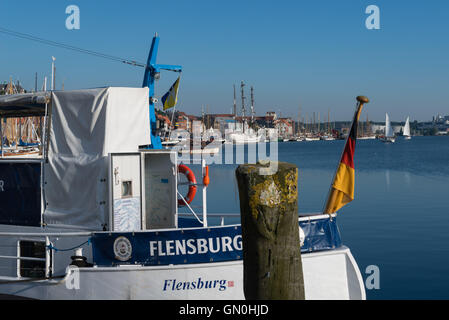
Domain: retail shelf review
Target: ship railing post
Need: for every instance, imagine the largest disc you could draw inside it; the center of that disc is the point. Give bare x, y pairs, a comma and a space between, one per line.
1, 129
47, 258
203, 167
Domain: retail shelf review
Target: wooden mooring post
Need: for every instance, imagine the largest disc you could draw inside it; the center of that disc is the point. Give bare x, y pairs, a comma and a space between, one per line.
270, 231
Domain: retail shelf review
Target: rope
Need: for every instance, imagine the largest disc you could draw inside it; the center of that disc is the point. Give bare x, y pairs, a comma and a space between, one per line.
70, 47
69, 249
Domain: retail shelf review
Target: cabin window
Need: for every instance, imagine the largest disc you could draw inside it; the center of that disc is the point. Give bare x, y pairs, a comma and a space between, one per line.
34, 264
127, 189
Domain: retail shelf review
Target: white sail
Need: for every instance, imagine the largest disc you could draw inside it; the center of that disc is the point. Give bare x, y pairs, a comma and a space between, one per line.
406, 131
388, 130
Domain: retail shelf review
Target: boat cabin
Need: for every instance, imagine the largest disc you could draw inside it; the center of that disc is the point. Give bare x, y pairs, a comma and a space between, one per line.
92, 169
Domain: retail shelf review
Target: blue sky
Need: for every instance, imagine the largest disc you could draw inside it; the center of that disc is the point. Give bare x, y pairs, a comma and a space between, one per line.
314, 54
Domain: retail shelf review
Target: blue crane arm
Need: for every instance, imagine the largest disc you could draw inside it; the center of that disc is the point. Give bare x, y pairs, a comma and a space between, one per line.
152, 73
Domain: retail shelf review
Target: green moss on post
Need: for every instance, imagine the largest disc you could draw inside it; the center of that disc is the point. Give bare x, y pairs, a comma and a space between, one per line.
270, 232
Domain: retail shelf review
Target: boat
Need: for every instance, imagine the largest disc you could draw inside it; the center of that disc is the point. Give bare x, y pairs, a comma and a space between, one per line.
406, 130
205, 150
170, 143
371, 137
389, 136
102, 218
327, 138
311, 138
367, 133
245, 137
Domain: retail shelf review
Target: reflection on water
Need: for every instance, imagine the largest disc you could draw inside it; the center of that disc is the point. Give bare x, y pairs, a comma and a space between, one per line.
387, 179
399, 219
407, 179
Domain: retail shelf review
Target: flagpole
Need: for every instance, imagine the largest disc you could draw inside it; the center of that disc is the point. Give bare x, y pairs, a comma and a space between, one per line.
360, 102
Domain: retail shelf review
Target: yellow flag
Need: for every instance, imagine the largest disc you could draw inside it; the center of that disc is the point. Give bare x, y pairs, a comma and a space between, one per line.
171, 97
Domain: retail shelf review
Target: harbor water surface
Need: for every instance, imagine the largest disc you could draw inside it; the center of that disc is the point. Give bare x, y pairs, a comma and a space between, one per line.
398, 221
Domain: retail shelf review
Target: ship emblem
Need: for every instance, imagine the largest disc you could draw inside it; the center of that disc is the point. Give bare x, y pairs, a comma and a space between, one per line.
122, 249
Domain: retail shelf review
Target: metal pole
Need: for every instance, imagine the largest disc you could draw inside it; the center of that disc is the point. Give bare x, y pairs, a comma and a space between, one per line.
242, 85
203, 166
1, 129
235, 105
53, 73
252, 105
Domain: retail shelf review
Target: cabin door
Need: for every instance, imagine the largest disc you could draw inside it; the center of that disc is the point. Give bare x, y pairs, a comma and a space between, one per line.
125, 192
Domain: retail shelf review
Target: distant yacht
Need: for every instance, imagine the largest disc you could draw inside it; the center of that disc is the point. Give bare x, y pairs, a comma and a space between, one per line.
245, 137
389, 134
406, 130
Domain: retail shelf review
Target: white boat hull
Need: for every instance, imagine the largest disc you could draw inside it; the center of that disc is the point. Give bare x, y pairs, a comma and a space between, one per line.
241, 138
206, 150
388, 140
327, 275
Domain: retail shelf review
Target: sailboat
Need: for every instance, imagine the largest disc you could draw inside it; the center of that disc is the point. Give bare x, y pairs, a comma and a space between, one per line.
389, 134
406, 130
246, 134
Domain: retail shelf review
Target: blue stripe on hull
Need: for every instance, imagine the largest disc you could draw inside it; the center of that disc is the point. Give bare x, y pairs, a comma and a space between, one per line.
199, 245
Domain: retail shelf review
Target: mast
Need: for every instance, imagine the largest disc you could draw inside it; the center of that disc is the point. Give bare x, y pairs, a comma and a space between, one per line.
313, 123
235, 105
252, 105
319, 122
53, 73
202, 115
242, 85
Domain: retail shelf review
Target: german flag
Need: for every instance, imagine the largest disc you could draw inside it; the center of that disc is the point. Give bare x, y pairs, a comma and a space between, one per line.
342, 188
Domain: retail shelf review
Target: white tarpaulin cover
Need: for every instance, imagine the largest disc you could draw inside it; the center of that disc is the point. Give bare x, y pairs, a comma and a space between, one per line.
86, 125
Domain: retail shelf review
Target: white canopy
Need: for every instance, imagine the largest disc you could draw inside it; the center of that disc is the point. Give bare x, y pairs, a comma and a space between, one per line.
87, 125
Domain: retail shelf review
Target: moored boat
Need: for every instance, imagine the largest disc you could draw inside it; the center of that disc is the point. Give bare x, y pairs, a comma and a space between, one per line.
102, 219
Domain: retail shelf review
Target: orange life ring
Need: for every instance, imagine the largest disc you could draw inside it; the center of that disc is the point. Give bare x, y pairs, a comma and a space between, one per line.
192, 186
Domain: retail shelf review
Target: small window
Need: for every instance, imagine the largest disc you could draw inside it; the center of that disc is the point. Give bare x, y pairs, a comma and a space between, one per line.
34, 268
127, 189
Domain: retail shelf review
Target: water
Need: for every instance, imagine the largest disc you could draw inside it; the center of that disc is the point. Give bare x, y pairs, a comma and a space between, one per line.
399, 220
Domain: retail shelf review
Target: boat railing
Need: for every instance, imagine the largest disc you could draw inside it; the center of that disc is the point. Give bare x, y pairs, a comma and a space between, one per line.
45, 238
222, 216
